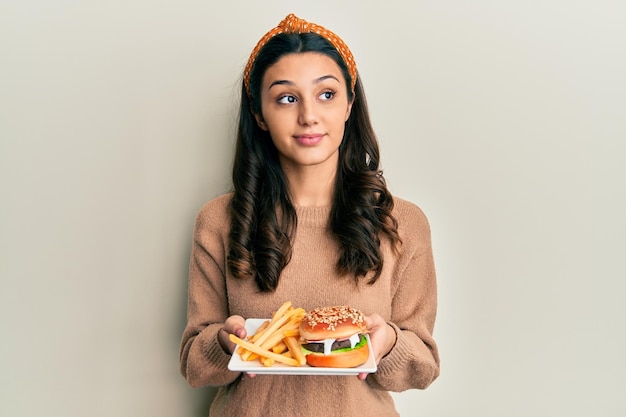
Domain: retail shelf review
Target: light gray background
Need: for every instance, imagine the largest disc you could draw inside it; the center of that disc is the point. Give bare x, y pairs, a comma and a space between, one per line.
503, 120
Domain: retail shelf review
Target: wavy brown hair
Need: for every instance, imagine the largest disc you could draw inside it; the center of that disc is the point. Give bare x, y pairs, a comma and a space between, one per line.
263, 218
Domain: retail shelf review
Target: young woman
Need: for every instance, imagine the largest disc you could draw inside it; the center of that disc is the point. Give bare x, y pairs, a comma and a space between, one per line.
310, 220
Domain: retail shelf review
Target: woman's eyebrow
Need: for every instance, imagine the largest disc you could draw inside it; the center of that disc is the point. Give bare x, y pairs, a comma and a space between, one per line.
326, 77
281, 82
291, 83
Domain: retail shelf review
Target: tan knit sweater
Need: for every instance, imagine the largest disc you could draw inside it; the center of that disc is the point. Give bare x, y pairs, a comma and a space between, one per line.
404, 295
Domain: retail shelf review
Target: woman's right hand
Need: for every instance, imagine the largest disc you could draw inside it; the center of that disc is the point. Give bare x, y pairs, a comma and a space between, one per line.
233, 325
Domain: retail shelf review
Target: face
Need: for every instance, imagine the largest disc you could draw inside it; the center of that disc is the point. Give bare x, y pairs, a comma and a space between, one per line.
304, 107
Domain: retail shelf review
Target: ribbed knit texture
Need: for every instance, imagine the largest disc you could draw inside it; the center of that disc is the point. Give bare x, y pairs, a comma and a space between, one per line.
405, 295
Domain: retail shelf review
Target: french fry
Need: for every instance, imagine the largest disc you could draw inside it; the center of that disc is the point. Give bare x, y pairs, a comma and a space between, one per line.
259, 331
281, 311
253, 356
280, 348
275, 340
291, 333
277, 323
263, 352
294, 349
276, 337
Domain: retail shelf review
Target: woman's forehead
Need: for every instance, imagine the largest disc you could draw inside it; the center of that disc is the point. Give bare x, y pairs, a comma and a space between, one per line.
302, 67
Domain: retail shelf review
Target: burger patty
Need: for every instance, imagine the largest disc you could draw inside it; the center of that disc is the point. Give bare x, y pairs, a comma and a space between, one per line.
319, 347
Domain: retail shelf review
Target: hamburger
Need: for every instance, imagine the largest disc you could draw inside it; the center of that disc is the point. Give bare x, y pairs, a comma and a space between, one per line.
334, 337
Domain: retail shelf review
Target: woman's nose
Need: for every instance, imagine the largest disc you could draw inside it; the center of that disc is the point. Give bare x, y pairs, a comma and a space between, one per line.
308, 114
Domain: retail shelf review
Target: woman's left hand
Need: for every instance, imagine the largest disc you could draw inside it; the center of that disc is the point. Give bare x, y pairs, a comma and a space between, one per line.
382, 338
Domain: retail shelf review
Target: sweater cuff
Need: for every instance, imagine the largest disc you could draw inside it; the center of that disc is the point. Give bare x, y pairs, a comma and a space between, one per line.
212, 349
397, 333
395, 359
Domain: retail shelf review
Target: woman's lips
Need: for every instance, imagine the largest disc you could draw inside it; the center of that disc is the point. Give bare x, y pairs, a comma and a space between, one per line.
309, 139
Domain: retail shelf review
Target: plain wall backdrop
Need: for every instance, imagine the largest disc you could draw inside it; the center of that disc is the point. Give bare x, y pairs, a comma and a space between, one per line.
503, 120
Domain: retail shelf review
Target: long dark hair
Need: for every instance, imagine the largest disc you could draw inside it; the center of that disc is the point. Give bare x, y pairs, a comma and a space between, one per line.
263, 218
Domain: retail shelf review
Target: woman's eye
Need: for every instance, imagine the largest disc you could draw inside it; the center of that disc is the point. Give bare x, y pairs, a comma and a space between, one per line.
327, 95
287, 99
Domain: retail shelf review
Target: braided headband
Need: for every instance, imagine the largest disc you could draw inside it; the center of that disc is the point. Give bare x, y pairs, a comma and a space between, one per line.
293, 24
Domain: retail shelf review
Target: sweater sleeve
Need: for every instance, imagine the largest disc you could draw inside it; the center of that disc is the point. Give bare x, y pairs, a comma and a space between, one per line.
202, 359
413, 362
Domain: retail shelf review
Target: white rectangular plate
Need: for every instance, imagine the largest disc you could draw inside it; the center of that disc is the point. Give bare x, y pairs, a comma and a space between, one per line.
255, 367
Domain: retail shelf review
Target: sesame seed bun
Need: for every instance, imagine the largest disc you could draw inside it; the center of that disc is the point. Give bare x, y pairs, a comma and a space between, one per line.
338, 323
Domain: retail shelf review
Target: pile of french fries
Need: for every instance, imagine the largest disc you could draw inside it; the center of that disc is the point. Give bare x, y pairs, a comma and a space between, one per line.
276, 340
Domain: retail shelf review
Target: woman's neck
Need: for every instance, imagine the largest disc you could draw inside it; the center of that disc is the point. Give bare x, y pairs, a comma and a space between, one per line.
311, 187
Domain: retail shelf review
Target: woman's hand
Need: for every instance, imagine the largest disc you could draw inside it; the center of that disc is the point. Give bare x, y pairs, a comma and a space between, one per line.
382, 338
233, 325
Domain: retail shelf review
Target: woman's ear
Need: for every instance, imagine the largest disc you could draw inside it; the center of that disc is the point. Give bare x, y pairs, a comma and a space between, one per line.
260, 122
